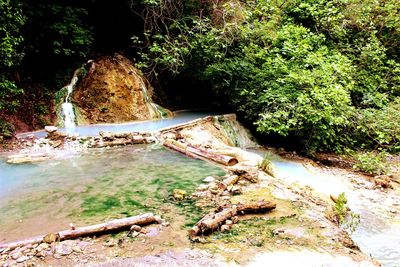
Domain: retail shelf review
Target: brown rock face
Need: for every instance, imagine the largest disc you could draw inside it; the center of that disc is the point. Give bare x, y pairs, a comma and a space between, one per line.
113, 91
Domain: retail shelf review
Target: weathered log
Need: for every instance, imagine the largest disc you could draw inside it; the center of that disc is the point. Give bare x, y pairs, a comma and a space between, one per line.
223, 159
211, 222
110, 226
200, 153
177, 146
120, 142
231, 180
255, 207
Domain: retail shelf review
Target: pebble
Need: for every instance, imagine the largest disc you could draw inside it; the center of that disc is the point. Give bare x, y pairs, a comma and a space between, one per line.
16, 255
42, 246
50, 129
63, 249
209, 179
22, 259
136, 228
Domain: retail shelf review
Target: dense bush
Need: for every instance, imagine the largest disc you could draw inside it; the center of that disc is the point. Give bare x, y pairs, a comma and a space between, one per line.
317, 72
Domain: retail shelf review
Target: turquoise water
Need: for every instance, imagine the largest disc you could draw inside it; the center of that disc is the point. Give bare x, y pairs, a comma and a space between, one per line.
377, 234
92, 187
153, 125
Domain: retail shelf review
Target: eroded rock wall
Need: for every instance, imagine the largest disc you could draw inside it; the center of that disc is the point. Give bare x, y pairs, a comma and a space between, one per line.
114, 91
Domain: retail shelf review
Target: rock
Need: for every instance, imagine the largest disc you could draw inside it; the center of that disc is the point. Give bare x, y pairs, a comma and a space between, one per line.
64, 248
51, 238
235, 219
136, 228
56, 143
209, 179
236, 190
202, 187
225, 228
42, 246
50, 129
22, 259
179, 194
228, 222
16, 255
107, 135
110, 243
382, 181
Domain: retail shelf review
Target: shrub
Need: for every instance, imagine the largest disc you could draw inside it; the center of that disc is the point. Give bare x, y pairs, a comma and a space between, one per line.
372, 163
6, 129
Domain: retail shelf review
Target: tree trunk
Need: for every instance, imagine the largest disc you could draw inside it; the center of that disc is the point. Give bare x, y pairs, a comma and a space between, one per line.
110, 226
212, 221
200, 153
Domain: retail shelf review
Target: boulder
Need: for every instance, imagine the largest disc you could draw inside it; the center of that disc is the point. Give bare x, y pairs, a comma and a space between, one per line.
50, 129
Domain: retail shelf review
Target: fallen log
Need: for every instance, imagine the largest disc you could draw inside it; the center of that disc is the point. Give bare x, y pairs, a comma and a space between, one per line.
120, 142
223, 159
256, 207
231, 180
211, 222
110, 226
177, 146
196, 152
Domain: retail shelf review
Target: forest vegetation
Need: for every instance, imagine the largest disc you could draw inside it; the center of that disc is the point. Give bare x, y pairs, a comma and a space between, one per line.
324, 75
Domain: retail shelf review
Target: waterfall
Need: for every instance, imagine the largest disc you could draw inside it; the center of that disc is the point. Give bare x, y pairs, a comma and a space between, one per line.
67, 108
148, 99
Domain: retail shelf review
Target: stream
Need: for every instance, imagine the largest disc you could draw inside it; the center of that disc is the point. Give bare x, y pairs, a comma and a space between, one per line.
94, 186
103, 184
152, 125
378, 232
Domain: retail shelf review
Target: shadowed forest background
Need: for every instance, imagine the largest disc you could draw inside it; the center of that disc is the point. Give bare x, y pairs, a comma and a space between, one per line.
313, 75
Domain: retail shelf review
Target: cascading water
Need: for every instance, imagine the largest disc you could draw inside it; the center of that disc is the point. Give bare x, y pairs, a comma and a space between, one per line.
67, 108
148, 100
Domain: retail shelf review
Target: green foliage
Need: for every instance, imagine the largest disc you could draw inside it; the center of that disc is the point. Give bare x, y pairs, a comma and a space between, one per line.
343, 215
312, 71
11, 21
341, 207
266, 164
379, 128
372, 162
9, 95
6, 129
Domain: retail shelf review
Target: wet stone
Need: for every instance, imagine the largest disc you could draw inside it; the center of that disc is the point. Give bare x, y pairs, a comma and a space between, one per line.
22, 259
63, 249
16, 255
209, 179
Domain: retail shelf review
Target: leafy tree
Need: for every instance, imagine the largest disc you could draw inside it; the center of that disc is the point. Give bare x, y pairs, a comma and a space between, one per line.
11, 22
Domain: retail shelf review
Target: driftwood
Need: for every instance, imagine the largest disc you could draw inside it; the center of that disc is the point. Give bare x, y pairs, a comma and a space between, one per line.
255, 207
110, 226
177, 146
213, 221
196, 152
120, 142
231, 180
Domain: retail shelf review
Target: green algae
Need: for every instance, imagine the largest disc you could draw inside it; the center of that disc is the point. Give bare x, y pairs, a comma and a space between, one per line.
107, 183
